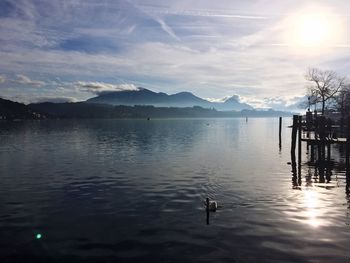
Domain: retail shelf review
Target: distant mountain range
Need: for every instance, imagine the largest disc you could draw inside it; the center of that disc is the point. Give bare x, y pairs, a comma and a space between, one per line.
10, 110
159, 99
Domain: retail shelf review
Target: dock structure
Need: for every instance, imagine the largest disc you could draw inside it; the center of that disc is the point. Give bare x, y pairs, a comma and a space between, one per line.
319, 133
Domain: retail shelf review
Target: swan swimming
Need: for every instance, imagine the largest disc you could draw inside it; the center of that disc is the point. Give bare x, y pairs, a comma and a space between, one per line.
211, 205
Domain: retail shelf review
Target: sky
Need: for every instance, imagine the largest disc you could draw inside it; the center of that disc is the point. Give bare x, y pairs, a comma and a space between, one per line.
260, 50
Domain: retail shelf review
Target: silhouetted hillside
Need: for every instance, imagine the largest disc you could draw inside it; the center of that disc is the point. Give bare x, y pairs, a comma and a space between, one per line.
10, 110
147, 97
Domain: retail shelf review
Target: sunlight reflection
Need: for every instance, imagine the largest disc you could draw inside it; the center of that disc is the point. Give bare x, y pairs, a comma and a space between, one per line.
312, 208
308, 208
313, 212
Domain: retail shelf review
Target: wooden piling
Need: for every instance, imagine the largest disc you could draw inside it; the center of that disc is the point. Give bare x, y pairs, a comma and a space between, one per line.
329, 131
322, 134
347, 187
308, 120
294, 136
280, 132
280, 126
312, 156
328, 152
347, 140
299, 138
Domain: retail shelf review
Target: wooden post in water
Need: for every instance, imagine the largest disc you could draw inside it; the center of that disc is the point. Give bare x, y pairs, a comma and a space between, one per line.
347, 187
294, 137
322, 134
308, 121
300, 120
347, 140
328, 152
329, 130
312, 152
280, 133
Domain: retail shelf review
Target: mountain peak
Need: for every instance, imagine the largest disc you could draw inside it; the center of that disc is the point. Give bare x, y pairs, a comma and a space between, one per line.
143, 96
184, 93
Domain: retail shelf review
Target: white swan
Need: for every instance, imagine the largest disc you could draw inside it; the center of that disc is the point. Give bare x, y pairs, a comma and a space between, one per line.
211, 205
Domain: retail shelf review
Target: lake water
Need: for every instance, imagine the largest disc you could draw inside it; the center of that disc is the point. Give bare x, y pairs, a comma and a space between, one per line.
133, 191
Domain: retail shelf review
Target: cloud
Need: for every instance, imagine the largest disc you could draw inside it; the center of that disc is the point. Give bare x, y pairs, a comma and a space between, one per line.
101, 87
2, 78
167, 28
197, 12
222, 100
226, 47
53, 99
278, 103
22, 79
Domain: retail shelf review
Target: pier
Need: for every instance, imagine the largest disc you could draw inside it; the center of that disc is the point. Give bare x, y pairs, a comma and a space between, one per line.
321, 136
319, 133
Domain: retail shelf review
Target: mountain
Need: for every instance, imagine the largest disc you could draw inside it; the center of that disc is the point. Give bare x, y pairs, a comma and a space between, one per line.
232, 103
10, 110
147, 97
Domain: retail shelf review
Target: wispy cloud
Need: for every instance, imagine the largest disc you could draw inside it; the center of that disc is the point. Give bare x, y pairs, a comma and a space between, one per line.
100, 87
210, 48
167, 28
24, 80
199, 12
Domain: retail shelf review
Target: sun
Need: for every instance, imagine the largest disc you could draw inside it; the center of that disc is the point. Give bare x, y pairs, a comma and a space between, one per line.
313, 30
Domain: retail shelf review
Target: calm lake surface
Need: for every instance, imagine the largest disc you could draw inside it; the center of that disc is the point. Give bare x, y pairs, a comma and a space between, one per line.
133, 191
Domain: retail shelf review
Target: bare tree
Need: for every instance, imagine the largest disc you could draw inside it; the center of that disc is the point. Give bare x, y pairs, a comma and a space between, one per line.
326, 84
343, 103
341, 99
